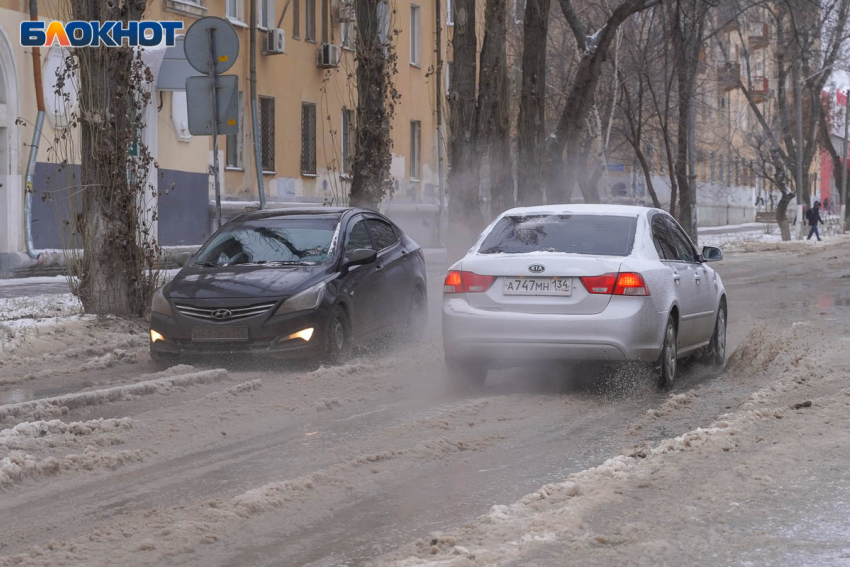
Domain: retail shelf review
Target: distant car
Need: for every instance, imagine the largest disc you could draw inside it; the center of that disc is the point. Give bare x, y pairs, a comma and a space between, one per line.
584, 283
293, 283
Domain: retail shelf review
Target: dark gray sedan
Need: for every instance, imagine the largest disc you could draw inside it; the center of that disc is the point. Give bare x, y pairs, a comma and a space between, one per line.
295, 283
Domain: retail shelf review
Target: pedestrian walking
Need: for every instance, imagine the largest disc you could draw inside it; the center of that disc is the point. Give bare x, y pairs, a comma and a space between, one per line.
813, 216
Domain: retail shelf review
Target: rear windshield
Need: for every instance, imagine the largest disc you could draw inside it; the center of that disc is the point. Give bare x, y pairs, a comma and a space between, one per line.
604, 235
271, 241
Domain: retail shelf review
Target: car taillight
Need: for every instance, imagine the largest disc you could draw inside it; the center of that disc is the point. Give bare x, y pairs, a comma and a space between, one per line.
466, 282
625, 283
630, 283
421, 254
603, 284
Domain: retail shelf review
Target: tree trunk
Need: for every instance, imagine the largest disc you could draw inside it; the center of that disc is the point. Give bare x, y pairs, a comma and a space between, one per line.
376, 97
531, 121
501, 161
782, 215
111, 271
465, 160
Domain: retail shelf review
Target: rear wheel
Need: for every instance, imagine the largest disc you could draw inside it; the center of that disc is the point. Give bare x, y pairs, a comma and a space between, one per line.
466, 374
669, 356
337, 336
417, 315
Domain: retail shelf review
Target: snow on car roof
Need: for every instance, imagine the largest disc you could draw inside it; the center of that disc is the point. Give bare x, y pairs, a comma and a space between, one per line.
585, 209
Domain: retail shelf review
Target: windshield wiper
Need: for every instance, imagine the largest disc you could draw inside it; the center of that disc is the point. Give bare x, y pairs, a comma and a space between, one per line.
206, 265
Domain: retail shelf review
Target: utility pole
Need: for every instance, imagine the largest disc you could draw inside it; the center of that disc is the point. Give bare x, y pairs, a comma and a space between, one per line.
842, 192
440, 160
798, 103
255, 128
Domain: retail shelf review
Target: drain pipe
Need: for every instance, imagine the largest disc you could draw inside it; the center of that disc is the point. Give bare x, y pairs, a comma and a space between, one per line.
36, 137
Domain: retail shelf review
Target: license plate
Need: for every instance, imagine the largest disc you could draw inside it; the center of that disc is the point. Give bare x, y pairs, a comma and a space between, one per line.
537, 286
213, 334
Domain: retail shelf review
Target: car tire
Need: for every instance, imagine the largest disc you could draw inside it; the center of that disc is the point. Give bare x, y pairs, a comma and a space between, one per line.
466, 374
337, 336
163, 361
669, 359
417, 315
717, 352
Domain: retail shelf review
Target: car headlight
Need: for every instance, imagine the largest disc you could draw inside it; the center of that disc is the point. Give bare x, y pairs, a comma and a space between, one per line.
310, 298
159, 304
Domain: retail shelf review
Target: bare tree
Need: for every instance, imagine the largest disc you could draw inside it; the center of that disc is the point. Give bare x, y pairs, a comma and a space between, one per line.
116, 269
530, 123
568, 133
474, 114
810, 35
377, 96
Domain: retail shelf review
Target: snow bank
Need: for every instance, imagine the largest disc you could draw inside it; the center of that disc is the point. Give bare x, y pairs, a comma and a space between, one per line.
61, 405
19, 465
38, 307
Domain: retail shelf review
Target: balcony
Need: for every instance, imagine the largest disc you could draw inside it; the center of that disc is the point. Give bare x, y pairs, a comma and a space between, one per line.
761, 89
759, 35
728, 76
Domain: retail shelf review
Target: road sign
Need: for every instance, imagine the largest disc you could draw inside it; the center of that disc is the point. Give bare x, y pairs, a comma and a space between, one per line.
211, 47
616, 167
197, 45
175, 68
201, 112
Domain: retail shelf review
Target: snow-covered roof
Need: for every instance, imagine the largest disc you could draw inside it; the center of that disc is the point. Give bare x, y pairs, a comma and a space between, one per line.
585, 209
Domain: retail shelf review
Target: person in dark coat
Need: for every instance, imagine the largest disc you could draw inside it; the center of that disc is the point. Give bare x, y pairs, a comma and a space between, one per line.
813, 216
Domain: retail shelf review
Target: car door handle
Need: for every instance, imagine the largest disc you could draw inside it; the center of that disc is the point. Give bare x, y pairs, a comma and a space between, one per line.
404, 252
378, 268
676, 277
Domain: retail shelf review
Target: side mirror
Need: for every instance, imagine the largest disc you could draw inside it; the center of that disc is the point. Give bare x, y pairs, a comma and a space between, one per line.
711, 254
183, 258
360, 256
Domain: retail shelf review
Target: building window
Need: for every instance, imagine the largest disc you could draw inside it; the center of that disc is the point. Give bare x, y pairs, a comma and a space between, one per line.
348, 34
233, 156
415, 39
265, 14
308, 138
347, 141
266, 109
236, 10
450, 14
384, 24
519, 11
310, 20
325, 10
415, 145
296, 19
449, 69
713, 158
720, 168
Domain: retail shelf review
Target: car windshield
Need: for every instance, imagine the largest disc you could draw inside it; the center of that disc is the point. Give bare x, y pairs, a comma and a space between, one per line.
271, 242
605, 235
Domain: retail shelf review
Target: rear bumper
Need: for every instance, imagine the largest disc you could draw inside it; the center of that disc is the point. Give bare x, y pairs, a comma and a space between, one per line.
628, 329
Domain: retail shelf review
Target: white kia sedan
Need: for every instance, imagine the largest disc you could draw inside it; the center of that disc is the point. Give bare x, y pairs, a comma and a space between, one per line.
583, 283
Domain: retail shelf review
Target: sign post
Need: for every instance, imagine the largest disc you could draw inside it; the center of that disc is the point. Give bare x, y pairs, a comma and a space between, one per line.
211, 47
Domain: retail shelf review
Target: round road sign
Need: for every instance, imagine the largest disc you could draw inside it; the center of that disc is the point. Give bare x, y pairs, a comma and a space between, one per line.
197, 45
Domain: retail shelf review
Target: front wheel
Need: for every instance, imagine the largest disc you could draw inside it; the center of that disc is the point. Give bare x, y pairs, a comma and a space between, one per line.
669, 356
337, 336
163, 361
717, 355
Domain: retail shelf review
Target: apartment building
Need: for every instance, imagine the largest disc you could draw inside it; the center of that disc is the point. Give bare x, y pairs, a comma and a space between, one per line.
306, 110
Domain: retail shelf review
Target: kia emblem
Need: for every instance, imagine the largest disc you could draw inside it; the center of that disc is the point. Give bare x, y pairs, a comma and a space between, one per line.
537, 268
221, 314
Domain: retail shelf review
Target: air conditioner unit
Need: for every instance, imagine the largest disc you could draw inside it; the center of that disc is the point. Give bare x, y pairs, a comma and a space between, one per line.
275, 42
328, 56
